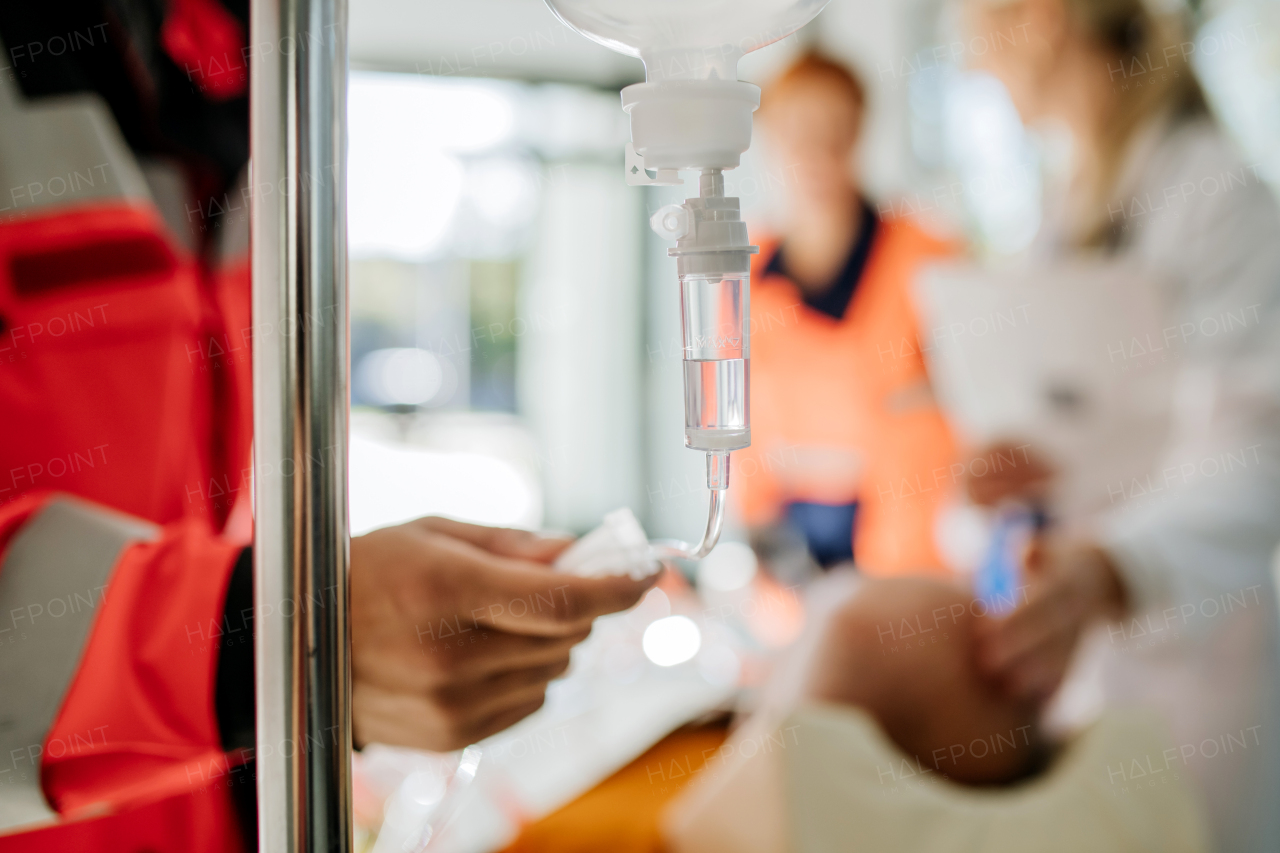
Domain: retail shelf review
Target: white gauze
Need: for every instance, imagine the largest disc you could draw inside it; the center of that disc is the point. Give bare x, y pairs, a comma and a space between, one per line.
618, 546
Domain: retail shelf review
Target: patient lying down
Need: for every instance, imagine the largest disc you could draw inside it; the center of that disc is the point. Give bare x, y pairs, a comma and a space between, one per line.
888, 739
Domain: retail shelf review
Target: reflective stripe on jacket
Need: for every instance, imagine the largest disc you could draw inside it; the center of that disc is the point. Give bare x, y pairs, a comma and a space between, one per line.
131, 731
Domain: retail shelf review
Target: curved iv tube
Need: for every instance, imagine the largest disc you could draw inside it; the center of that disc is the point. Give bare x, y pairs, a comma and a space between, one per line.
669, 548
441, 815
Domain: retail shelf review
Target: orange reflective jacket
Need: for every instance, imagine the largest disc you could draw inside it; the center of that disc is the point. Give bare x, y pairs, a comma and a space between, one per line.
841, 410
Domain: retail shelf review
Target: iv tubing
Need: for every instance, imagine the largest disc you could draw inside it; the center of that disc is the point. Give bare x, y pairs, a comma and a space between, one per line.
669, 548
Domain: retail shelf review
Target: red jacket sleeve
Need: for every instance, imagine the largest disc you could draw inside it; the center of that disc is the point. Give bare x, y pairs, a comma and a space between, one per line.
135, 745
138, 720
15, 513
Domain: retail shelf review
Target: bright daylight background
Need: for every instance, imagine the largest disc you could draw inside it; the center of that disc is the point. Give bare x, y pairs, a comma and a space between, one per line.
514, 323
515, 328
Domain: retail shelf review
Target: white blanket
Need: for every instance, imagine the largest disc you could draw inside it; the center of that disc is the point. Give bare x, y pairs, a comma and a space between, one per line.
827, 779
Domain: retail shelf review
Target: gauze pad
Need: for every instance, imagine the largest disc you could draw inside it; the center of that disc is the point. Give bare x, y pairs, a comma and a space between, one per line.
617, 547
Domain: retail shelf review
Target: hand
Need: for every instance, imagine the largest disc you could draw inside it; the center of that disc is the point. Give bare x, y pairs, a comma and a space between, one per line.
1012, 472
1068, 585
456, 629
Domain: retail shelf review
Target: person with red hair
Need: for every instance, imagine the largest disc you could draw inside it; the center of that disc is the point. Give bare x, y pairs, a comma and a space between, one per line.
846, 437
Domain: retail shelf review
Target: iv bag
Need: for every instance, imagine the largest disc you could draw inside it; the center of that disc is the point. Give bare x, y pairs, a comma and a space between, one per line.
686, 39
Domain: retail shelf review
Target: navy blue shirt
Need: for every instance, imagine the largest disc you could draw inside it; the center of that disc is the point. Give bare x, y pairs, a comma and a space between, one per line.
828, 528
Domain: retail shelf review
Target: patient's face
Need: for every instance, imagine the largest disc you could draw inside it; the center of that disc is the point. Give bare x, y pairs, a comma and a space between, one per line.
903, 649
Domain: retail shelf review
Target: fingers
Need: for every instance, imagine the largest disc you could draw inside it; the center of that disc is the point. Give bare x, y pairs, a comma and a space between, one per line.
519, 595
452, 577
458, 628
1017, 634
489, 697
451, 717
506, 719
1028, 651
471, 655
1035, 671
1035, 558
1038, 677
495, 652
525, 601
503, 541
1010, 472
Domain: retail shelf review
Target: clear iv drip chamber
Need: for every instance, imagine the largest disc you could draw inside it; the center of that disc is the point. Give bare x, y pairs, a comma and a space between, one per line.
713, 264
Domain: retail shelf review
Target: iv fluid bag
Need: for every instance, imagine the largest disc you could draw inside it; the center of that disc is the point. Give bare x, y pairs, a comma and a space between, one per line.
686, 39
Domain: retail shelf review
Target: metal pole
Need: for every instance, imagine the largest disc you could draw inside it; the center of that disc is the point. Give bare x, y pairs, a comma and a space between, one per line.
298, 65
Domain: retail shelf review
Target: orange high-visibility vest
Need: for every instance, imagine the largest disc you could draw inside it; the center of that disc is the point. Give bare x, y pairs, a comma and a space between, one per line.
841, 410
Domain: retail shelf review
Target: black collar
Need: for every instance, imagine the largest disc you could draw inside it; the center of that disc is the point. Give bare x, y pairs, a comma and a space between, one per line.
834, 299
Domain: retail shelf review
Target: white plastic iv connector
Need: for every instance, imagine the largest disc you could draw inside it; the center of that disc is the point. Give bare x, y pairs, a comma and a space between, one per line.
638, 176
689, 124
671, 222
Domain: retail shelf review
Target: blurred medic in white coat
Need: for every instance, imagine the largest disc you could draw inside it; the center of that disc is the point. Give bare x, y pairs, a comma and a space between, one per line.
1183, 575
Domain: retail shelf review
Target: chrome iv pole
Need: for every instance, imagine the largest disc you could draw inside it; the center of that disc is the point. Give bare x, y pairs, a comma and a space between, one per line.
298, 61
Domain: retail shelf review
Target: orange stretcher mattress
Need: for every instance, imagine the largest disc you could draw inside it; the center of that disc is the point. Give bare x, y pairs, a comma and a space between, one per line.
621, 814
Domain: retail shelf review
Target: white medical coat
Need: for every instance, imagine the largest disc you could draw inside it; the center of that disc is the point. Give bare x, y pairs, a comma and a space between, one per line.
1195, 540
